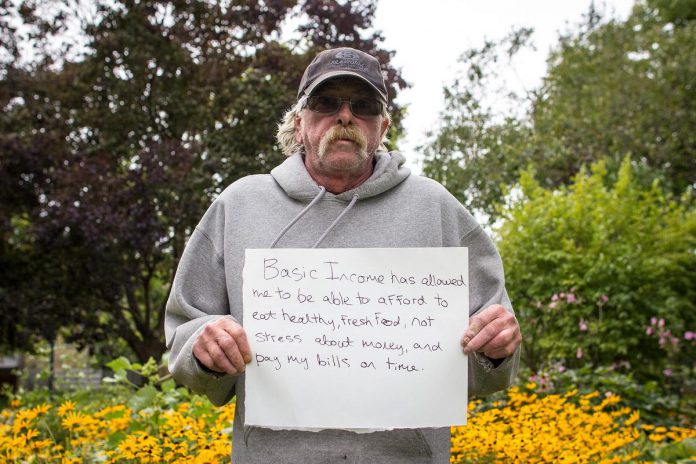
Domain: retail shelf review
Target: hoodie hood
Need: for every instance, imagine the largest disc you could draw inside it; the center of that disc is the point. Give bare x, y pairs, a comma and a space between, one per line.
293, 178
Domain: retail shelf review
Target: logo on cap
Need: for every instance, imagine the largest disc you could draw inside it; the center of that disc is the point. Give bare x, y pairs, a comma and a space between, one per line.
348, 59
347, 55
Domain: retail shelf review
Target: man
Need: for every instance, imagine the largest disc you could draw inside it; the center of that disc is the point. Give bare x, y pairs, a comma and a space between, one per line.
338, 188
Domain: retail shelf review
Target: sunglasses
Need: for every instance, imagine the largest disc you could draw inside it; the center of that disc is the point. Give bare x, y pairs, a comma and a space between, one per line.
358, 106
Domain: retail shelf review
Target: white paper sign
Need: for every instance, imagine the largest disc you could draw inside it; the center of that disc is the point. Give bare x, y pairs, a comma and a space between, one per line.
356, 338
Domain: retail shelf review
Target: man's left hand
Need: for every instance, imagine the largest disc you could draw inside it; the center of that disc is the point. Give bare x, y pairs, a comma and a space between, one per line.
494, 331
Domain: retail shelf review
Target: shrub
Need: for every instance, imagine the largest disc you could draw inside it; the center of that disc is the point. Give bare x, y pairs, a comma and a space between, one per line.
591, 265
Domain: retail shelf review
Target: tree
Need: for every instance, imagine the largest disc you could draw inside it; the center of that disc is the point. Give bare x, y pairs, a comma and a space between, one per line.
590, 265
612, 89
475, 153
117, 152
621, 89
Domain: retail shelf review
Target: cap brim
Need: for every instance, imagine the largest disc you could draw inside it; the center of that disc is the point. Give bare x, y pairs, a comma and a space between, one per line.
334, 74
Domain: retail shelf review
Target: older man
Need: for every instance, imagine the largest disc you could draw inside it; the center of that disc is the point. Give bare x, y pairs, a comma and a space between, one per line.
338, 188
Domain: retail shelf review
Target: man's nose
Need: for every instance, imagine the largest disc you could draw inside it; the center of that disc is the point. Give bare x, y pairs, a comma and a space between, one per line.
344, 115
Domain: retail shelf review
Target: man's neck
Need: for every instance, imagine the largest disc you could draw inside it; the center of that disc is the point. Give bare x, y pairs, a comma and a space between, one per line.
339, 183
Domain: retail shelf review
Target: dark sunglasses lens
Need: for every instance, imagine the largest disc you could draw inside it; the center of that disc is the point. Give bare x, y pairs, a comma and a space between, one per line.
323, 104
365, 107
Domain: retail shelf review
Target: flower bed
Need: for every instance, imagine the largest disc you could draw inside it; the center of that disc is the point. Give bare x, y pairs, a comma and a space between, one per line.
193, 432
524, 427
531, 428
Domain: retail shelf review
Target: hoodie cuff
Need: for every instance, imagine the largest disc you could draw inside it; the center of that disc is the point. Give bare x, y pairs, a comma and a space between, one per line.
206, 370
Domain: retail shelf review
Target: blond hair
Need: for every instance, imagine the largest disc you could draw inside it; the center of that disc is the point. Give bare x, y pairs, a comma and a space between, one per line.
286, 128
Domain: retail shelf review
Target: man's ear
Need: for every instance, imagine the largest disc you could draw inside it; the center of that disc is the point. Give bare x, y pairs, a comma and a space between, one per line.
298, 129
385, 126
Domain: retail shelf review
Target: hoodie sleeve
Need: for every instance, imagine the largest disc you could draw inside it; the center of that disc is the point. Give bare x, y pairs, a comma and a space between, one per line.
198, 297
487, 287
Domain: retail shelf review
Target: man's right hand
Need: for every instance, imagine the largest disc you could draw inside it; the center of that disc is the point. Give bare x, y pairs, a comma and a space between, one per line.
223, 347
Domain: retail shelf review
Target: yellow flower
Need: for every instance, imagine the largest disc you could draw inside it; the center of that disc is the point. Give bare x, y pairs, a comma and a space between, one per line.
31, 434
67, 460
42, 408
72, 420
633, 418
66, 407
657, 437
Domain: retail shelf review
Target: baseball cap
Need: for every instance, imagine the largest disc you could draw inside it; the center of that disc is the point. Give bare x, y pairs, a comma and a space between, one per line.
343, 61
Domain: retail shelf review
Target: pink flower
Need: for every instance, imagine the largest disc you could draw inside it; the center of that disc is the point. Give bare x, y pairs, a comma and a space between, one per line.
579, 353
661, 323
689, 335
570, 298
582, 325
649, 331
604, 299
554, 297
561, 368
553, 304
653, 321
667, 372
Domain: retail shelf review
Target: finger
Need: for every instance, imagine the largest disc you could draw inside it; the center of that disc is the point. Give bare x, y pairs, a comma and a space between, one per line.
503, 321
212, 357
475, 326
502, 345
484, 336
238, 333
478, 321
228, 345
205, 359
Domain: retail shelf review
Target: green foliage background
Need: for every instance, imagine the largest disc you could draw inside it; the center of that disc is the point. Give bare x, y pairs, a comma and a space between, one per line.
590, 264
589, 182
110, 152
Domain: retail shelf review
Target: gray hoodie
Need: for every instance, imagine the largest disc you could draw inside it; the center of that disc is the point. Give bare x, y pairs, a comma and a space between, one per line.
288, 209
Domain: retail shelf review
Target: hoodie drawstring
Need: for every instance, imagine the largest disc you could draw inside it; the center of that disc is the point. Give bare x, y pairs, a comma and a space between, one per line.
333, 224
321, 193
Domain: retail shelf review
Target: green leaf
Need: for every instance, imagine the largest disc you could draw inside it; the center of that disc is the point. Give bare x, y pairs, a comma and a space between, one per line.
118, 364
681, 450
143, 398
115, 438
168, 385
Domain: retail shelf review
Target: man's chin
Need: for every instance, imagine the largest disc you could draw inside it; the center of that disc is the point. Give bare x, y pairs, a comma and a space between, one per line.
343, 160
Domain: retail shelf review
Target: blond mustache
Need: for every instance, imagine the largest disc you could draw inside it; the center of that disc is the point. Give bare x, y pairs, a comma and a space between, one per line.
343, 133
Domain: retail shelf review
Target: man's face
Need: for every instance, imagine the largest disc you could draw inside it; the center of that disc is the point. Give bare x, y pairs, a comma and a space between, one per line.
341, 143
